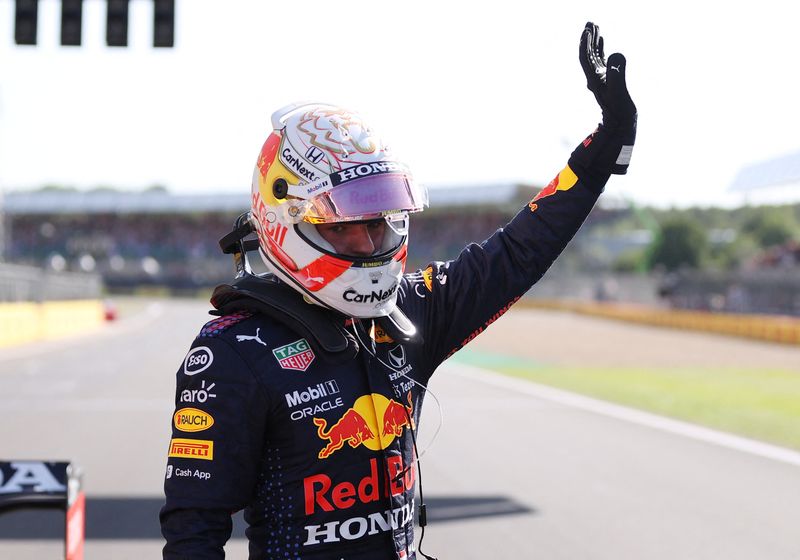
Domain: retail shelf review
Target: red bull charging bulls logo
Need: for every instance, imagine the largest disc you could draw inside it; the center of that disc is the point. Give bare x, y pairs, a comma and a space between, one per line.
373, 421
564, 181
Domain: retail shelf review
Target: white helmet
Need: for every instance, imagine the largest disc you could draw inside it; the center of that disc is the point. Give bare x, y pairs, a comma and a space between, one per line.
324, 164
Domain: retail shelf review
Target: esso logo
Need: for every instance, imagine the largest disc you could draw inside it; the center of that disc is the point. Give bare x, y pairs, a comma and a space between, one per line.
199, 359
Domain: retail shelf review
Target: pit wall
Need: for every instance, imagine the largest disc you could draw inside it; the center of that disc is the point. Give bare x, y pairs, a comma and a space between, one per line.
770, 328
30, 322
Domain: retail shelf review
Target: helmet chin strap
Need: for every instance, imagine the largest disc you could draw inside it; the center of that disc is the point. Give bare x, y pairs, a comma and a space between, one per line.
324, 329
398, 326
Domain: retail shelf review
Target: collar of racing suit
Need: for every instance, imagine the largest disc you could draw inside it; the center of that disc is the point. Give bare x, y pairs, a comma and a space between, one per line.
325, 329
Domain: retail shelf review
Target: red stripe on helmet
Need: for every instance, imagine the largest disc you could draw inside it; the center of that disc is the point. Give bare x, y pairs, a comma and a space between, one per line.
401, 256
321, 272
280, 254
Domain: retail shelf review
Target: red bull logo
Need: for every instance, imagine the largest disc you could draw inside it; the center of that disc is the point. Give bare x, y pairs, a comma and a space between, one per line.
322, 494
360, 425
267, 155
561, 182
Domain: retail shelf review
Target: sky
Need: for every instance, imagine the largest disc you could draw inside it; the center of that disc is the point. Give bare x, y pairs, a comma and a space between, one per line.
467, 93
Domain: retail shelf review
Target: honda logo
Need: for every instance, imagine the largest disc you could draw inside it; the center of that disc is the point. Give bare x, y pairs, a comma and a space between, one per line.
314, 154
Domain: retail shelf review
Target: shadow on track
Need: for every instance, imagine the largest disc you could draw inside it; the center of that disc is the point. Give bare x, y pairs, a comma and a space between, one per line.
137, 518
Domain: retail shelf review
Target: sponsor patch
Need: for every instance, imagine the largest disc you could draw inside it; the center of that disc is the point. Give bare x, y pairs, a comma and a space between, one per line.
297, 164
397, 356
379, 335
366, 170
192, 420
200, 395
169, 471
322, 395
360, 424
427, 277
564, 181
356, 527
253, 337
192, 448
267, 155
399, 367
197, 360
314, 154
318, 391
350, 295
296, 355
192, 473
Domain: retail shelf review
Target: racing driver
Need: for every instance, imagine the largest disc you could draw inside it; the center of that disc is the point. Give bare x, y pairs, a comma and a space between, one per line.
299, 402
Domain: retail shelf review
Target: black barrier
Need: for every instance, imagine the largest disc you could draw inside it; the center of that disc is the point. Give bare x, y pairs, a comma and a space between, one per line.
47, 484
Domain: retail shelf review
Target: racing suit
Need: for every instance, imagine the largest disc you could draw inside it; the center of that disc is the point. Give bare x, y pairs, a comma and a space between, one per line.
319, 454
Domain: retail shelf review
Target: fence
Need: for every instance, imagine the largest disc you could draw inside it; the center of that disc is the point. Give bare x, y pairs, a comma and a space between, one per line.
28, 283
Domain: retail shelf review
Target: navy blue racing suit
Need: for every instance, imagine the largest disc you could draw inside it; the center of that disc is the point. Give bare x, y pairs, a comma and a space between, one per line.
318, 454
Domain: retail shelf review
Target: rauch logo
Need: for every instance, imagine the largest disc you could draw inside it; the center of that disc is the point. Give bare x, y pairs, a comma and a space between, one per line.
193, 420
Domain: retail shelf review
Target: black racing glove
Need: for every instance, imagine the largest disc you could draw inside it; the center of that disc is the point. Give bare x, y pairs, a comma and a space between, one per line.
608, 149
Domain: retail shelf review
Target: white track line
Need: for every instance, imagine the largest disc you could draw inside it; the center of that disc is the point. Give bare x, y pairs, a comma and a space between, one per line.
628, 414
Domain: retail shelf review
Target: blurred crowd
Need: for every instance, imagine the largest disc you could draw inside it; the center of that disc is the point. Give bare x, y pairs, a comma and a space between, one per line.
175, 250
182, 250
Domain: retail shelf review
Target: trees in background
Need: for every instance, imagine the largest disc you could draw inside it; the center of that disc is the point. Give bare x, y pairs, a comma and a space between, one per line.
681, 243
713, 238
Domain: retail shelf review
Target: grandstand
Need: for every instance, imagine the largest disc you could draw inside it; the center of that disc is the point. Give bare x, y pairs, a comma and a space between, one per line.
156, 238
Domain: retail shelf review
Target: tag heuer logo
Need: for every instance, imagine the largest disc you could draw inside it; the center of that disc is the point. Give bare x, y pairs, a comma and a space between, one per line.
297, 355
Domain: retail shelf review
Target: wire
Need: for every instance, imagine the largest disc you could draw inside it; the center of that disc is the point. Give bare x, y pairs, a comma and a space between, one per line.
415, 382
423, 517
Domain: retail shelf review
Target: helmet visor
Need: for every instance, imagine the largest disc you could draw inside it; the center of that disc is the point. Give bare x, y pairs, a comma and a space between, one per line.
367, 198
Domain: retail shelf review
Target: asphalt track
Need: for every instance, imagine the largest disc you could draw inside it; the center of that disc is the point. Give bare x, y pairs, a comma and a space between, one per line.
516, 472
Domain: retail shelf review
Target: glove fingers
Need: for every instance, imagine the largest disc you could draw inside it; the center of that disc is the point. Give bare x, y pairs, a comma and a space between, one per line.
591, 56
584, 54
598, 58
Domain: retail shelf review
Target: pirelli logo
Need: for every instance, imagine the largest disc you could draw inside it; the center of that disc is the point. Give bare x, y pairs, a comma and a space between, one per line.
192, 448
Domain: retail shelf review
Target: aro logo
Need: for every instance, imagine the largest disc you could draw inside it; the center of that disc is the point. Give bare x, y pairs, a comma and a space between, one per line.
200, 395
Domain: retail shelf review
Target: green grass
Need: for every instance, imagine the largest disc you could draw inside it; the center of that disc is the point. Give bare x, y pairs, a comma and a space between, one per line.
760, 404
